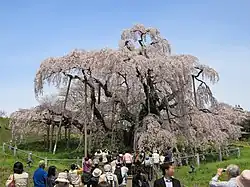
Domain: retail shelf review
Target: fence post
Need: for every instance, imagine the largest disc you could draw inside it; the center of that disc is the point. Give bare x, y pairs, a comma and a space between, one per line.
29, 156
77, 161
198, 159
238, 152
220, 154
15, 149
3, 147
46, 161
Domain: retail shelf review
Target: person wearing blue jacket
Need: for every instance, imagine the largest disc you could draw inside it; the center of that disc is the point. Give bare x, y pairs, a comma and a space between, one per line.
40, 175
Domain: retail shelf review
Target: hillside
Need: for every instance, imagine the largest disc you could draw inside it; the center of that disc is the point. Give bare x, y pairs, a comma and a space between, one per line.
5, 133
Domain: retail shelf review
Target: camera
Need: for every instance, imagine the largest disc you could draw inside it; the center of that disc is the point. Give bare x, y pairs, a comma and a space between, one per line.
224, 170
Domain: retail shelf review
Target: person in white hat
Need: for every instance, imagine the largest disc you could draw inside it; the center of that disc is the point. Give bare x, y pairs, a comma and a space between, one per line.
108, 176
95, 177
62, 180
244, 179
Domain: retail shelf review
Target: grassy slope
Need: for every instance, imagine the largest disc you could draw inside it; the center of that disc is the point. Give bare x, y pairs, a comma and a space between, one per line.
204, 174
5, 134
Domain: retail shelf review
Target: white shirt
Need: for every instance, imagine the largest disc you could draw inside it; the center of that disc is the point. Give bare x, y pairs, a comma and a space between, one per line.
216, 183
156, 158
113, 165
162, 158
168, 184
124, 172
104, 157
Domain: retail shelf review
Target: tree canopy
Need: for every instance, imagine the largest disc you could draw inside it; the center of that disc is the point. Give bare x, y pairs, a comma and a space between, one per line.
141, 92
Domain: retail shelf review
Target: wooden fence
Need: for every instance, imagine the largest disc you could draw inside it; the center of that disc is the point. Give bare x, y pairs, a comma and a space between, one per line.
196, 159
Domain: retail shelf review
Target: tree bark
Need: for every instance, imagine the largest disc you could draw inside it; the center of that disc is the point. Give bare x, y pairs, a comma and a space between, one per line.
194, 90
85, 124
63, 110
48, 134
69, 132
66, 136
52, 126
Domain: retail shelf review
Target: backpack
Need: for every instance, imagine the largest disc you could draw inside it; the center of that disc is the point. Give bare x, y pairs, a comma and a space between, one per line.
12, 183
147, 162
118, 173
110, 178
86, 177
94, 181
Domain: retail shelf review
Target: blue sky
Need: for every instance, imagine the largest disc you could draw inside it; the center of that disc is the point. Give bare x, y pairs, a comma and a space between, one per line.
216, 31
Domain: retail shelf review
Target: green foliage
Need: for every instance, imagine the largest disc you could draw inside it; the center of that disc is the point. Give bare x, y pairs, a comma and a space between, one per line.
5, 133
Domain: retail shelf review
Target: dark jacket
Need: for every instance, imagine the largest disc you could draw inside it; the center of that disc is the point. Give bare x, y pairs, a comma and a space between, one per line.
140, 181
161, 183
51, 181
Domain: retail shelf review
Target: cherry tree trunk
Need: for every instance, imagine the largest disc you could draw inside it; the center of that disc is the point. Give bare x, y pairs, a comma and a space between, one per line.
63, 110
47, 138
52, 126
85, 124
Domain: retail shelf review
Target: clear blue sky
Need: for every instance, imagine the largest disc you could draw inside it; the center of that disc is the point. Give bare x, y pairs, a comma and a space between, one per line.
216, 31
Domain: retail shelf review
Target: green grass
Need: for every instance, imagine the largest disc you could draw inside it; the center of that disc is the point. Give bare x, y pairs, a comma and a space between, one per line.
201, 177
205, 172
5, 133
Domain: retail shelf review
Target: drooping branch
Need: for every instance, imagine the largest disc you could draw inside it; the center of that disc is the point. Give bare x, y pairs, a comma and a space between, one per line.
97, 113
124, 76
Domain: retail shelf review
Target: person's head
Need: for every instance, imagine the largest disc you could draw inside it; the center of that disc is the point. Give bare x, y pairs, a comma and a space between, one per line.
233, 171
86, 159
73, 167
243, 179
138, 171
168, 148
107, 168
62, 180
100, 159
104, 184
167, 169
66, 171
42, 164
118, 165
97, 172
18, 168
52, 171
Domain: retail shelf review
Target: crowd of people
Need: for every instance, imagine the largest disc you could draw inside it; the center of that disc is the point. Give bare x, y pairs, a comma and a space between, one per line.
104, 169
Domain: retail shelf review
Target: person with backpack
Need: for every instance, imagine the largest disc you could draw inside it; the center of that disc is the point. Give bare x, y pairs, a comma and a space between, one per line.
139, 179
75, 177
148, 164
51, 176
19, 177
122, 174
95, 177
128, 160
108, 176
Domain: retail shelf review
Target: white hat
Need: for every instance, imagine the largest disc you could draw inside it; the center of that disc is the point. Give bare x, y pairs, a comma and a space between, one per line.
97, 172
244, 179
107, 168
62, 177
